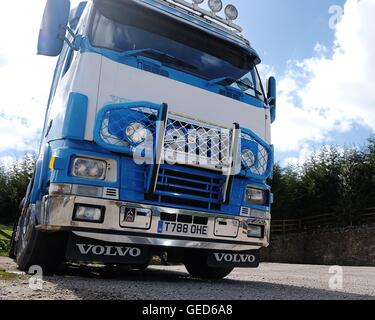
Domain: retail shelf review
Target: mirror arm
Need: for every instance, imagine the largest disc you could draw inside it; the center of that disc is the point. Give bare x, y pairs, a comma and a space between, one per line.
72, 44
269, 101
71, 32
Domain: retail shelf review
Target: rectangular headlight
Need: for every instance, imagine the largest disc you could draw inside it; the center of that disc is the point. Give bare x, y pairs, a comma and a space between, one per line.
256, 196
88, 213
87, 168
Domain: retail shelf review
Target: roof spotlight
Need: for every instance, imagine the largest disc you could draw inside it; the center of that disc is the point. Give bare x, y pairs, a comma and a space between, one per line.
215, 5
231, 12
198, 1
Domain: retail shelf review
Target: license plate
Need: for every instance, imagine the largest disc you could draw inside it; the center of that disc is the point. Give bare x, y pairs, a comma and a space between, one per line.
182, 229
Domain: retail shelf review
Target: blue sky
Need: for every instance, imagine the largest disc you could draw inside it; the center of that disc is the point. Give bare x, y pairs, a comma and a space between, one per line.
286, 33
288, 29
324, 74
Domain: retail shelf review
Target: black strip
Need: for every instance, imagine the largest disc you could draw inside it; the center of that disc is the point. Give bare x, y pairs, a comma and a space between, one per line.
156, 164
154, 236
7, 236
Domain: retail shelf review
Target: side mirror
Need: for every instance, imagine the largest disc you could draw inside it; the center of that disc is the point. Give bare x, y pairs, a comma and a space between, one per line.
76, 14
271, 97
52, 30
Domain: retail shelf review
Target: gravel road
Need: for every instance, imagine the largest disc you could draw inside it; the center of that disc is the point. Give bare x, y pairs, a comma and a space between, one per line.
270, 281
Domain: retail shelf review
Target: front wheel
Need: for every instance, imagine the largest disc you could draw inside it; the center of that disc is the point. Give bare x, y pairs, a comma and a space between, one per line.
198, 268
36, 248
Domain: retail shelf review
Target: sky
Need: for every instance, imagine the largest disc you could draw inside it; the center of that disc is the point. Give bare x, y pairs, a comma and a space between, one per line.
322, 53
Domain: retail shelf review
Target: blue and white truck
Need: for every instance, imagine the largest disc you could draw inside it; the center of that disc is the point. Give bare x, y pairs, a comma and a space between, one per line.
156, 140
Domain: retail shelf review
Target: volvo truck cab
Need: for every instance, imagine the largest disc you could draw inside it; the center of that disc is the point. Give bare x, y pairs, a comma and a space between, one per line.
156, 140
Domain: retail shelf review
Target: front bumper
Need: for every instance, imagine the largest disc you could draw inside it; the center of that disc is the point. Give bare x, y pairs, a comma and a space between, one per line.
57, 215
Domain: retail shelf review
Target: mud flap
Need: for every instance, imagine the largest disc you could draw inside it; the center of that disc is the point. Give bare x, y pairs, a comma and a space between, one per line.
222, 259
91, 250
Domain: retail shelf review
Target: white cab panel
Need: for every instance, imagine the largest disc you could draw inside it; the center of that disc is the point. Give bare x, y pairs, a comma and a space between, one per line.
121, 83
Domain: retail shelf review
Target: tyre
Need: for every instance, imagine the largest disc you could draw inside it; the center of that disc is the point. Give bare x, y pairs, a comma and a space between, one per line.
197, 267
12, 249
36, 248
13, 242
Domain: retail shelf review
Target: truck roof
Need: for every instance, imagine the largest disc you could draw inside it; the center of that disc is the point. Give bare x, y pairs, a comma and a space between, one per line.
203, 22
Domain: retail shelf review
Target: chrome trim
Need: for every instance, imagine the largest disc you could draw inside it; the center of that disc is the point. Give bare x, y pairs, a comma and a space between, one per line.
161, 128
236, 134
111, 193
173, 243
58, 213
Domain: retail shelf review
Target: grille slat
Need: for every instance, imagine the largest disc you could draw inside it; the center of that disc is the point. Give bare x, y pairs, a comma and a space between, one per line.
171, 185
171, 177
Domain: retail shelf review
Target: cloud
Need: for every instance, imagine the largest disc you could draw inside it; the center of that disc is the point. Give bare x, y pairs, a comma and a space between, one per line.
326, 94
3, 61
25, 79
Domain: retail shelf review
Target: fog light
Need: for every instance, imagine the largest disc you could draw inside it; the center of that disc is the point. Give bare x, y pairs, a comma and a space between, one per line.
215, 5
89, 213
254, 231
231, 12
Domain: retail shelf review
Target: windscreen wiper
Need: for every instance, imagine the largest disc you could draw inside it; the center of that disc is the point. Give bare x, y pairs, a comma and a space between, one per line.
243, 84
161, 56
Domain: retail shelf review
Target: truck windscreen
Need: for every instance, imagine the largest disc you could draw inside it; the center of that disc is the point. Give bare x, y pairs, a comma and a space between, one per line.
125, 26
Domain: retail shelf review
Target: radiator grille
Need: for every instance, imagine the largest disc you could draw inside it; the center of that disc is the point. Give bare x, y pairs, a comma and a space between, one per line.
179, 185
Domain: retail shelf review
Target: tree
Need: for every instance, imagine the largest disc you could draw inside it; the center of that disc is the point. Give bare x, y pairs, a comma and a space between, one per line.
330, 181
13, 185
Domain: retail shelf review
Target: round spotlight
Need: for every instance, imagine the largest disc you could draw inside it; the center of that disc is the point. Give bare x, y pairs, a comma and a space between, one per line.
231, 12
136, 132
215, 5
198, 1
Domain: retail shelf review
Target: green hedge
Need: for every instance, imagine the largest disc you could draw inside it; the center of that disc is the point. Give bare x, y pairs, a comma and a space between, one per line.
4, 247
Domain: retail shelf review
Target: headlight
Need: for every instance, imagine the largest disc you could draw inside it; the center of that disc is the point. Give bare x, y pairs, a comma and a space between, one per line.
231, 12
256, 196
248, 158
136, 132
215, 5
89, 168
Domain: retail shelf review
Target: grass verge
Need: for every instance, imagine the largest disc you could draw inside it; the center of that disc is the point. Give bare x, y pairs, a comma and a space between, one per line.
6, 228
7, 276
